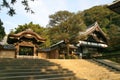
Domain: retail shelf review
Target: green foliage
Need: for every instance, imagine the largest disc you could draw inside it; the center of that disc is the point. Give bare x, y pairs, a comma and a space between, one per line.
2, 32
35, 27
98, 13
114, 34
59, 17
10, 6
68, 25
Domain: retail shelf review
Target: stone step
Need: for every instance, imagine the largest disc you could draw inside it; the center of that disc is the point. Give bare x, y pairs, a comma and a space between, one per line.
33, 77
25, 62
108, 63
61, 78
19, 60
35, 64
30, 70
33, 73
30, 67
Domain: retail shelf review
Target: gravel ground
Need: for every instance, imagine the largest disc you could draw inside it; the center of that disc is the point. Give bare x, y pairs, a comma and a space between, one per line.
87, 70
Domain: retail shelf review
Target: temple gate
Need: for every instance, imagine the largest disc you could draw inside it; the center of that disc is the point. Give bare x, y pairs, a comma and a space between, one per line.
26, 43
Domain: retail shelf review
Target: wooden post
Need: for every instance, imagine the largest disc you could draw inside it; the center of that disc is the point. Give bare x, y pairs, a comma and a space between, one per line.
68, 49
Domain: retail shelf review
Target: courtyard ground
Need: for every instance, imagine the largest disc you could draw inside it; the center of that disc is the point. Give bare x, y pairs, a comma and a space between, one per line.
88, 70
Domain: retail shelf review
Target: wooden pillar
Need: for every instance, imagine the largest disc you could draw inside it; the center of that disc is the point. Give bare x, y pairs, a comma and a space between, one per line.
68, 49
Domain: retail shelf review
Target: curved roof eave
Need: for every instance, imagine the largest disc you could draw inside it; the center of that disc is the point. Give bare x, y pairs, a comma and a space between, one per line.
23, 33
92, 28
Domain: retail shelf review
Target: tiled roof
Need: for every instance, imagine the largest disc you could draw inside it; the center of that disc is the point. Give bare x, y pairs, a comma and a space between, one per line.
115, 6
58, 43
92, 28
27, 34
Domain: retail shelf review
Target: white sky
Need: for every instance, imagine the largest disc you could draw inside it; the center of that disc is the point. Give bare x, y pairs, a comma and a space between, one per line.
44, 8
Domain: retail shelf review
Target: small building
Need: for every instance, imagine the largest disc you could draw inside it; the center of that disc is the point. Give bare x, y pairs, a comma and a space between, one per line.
63, 49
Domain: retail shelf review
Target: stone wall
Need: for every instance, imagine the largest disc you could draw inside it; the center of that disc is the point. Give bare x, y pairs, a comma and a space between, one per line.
7, 53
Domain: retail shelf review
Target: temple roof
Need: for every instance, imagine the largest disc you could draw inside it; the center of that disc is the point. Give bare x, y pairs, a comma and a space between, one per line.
93, 28
29, 34
115, 6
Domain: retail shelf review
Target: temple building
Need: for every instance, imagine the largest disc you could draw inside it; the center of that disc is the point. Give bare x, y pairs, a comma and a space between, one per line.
26, 44
115, 6
91, 43
94, 40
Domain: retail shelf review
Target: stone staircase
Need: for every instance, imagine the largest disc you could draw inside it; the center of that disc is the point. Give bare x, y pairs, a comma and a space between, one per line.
33, 69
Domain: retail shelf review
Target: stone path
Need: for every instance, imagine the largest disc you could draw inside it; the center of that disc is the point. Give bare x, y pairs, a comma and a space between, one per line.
87, 70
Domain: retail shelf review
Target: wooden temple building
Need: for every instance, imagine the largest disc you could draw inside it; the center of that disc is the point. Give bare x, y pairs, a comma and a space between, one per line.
25, 44
93, 42
115, 6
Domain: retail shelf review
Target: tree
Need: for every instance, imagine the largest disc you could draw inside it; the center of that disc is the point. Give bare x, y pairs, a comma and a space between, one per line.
67, 26
101, 14
2, 32
9, 5
59, 17
35, 27
114, 34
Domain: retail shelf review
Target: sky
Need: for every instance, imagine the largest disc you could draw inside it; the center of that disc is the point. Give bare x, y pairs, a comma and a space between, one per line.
42, 9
